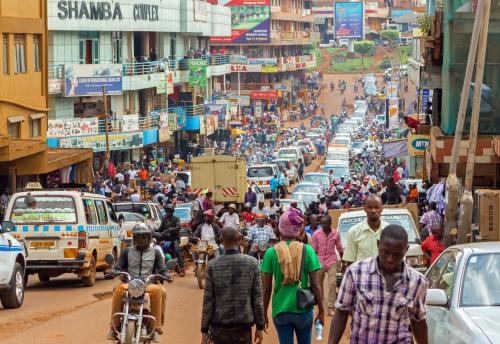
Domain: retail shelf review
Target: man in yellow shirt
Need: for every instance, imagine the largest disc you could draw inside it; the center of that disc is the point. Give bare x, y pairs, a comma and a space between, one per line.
362, 238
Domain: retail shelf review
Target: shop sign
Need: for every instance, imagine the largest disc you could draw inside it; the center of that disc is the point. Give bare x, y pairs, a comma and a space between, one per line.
163, 134
55, 86
266, 95
242, 59
240, 100
219, 110
212, 124
246, 68
282, 87
117, 141
269, 69
104, 10
417, 144
129, 123
197, 72
262, 60
73, 127
89, 79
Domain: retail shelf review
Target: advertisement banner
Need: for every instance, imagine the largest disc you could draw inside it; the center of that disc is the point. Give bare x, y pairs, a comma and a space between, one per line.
203, 125
170, 82
219, 110
417, 144
130, 123
197, 72
162, 85
243, 68
200, 10
55, 86
163, 134
163, 117
262, 60
349, 20
393, 149
240, 100
266, 95
250, 22
117, 141
212, 124
73, 127
393, 110
89, 79
269, 69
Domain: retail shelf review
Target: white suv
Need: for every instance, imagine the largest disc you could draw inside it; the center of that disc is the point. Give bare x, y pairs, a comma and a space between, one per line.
12, 268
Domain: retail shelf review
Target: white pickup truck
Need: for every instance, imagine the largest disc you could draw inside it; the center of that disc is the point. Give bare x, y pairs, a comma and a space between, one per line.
12, 268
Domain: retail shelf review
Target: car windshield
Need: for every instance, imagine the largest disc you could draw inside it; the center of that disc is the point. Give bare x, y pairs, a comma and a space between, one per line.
132, 217
481, 281
357, 144
287, 153
259, 172
285, 204
44, 209
308, 188
182, 214
307, 198
337, 156
340, 141
317, 178
338, 171
139, 208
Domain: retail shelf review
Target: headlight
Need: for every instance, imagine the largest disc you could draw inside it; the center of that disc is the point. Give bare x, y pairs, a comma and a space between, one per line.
203, 245
413, 261
136, 288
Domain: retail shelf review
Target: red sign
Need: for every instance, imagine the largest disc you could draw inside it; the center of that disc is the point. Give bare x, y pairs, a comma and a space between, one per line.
213, 2
266, 95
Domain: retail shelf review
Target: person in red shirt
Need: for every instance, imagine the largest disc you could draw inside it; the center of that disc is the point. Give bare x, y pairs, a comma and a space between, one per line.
143, 177
247, 215
434, 244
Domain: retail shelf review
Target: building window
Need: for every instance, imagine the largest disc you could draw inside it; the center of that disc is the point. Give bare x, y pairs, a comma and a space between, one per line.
88, 47
15, 130
117, 46
19, 54
5, 54
36, 125
36, 52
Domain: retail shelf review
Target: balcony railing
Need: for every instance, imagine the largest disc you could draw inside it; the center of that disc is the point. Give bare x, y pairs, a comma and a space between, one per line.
56, 71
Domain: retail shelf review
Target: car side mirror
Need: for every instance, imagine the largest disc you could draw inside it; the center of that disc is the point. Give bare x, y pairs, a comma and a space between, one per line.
7, 226
436, 297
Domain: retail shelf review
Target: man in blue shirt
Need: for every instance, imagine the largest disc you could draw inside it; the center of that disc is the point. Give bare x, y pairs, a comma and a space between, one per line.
313, 224
273, 185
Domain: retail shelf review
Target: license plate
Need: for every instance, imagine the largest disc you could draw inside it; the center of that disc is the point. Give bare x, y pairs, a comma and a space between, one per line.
261, 182
42, 244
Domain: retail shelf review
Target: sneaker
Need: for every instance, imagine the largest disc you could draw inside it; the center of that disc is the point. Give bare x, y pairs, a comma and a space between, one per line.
112, 335
156, 336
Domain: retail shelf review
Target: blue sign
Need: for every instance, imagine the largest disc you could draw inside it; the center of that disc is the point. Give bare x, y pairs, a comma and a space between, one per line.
89, 79
349, 19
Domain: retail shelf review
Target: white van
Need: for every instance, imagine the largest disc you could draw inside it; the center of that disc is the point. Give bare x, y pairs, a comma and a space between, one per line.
337, 153
65, 232
261, 175
289, 153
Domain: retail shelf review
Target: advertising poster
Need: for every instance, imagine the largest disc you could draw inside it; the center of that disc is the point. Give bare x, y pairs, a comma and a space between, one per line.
349, 20
200, 10
73, 127
117, 141
212, 124
130, 123
89, 79
219, 110
269, 69
417, 144
250, 22
170, 82
393, 110
197, 72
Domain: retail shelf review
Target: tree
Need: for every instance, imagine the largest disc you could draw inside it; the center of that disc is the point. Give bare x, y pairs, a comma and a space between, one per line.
390, 35
364, 48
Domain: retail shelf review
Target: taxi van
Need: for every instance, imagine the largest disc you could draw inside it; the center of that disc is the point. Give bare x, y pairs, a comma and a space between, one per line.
65, 232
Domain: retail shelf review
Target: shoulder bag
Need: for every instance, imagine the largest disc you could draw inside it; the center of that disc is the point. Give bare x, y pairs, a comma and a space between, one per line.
304, 296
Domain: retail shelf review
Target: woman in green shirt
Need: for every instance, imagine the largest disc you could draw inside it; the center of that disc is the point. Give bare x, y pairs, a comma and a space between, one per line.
283, 262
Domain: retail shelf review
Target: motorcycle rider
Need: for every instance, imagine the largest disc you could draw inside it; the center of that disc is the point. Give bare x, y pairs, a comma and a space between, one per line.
169, 232
140, 261
260, 232
209, 231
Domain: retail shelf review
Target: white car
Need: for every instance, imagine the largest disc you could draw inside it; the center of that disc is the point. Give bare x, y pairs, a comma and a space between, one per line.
356, 148
463, 299
12, 267
286, 202
379, 120
369, 146
307, 197
311, 187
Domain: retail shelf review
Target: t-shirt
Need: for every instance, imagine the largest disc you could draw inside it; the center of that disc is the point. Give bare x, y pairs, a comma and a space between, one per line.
230, 220
143, 175
284, 297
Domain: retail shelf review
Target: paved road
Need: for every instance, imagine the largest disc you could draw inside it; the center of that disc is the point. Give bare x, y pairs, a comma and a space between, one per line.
61, 311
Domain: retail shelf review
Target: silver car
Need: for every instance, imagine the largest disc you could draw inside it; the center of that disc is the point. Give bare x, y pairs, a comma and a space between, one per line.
463, 299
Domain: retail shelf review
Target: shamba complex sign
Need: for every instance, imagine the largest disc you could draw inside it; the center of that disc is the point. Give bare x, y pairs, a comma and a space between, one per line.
104, 10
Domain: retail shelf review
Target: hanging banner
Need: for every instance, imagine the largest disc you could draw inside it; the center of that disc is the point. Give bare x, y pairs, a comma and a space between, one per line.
130, 123
349, 20
89, 79
197, 72
117, 141
269, 69
203, 125
212, 124
393, 110
393, 149
170, 83
73, 127
250, 22
417, 144
266, 95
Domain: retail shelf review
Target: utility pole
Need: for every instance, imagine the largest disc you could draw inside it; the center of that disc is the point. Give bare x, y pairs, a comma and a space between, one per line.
466, 202
452, 180
106, 130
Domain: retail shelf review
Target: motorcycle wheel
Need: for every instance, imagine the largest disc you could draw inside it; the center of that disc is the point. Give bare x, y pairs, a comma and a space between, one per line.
200, 275
130, 332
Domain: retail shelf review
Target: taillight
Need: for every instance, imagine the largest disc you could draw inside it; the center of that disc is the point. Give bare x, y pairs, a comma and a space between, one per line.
82, 240
268, 182
185, 225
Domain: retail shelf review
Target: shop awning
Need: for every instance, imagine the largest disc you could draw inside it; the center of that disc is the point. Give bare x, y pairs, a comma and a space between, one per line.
37, 115
15, 119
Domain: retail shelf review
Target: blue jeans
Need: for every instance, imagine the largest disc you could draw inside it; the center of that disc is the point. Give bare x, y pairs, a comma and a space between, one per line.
273, 194
299, 323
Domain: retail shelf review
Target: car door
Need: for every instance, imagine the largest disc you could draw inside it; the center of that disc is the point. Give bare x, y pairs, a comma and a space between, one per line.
105, 235
92, 227
442, 275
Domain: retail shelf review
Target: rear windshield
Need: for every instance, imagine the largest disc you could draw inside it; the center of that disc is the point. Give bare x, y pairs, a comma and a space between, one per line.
182, 213
44, 209
138, 208
260, 172
287, 153
341, 141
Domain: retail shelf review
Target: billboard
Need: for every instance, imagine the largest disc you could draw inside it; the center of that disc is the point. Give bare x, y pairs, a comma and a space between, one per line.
89, 79
73, 127
197, 72
250, 22
117, 141
349, 19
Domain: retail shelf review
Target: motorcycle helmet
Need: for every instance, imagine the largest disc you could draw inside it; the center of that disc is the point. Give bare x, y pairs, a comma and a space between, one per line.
248, 205
169, 208
141, 236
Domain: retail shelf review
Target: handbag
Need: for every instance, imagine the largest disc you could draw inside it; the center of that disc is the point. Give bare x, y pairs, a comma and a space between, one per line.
304, 296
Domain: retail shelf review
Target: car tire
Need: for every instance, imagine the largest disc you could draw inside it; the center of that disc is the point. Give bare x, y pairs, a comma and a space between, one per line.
89, 281
15, 296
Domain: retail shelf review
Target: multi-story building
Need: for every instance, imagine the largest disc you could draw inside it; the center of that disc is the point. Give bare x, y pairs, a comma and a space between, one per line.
132, 60
24, 155
267, 59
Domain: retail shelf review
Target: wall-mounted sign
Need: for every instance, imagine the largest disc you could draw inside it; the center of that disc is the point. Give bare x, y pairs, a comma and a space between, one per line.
269, 69
104, 10
73, 127
98, 142
417, 144
243, 68
266, 95
89, 79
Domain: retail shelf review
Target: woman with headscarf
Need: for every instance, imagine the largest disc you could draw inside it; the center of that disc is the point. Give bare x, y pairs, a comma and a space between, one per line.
283, 261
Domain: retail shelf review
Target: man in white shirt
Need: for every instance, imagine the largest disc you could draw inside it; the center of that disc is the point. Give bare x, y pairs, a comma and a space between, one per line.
230, 218
120, 176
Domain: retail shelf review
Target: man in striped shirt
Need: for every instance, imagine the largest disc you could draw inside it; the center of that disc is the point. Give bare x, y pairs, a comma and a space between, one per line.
385, 295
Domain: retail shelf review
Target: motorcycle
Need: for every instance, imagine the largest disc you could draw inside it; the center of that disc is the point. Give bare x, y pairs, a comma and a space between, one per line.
259, 249
136, 325
205, 252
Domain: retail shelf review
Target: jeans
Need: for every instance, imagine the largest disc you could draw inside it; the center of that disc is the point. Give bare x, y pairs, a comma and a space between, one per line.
231, 336
273, 194
299, 323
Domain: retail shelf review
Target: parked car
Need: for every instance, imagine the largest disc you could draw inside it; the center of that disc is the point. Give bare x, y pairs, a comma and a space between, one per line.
463, 299
12, 267
309, 187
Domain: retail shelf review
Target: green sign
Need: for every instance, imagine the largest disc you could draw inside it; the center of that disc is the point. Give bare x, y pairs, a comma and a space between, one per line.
197, 73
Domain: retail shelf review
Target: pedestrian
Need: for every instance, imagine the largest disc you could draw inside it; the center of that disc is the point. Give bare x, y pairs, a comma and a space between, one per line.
362, 238
208, 204
300, 169
273, 185
282, 184
393, 194
434, 244
313, 225
221, 320
143, 177
284, 262
326, 243
385, 296
4, 202
427, 220
250, 197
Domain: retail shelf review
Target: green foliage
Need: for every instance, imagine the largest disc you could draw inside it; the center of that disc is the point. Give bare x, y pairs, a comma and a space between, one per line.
351, 65
424, 23
385, 63
364, 48
389, 35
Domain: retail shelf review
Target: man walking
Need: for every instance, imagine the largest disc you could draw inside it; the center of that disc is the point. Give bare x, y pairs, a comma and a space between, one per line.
300, 169
273, 185
325, 241
226, 323
385, 295
427, 220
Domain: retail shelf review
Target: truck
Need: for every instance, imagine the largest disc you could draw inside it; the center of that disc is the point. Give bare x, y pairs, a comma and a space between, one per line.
224, 174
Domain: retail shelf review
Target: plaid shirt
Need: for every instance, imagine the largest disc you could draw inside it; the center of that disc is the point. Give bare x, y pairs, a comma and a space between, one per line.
380, 315
258, 234
430, 218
